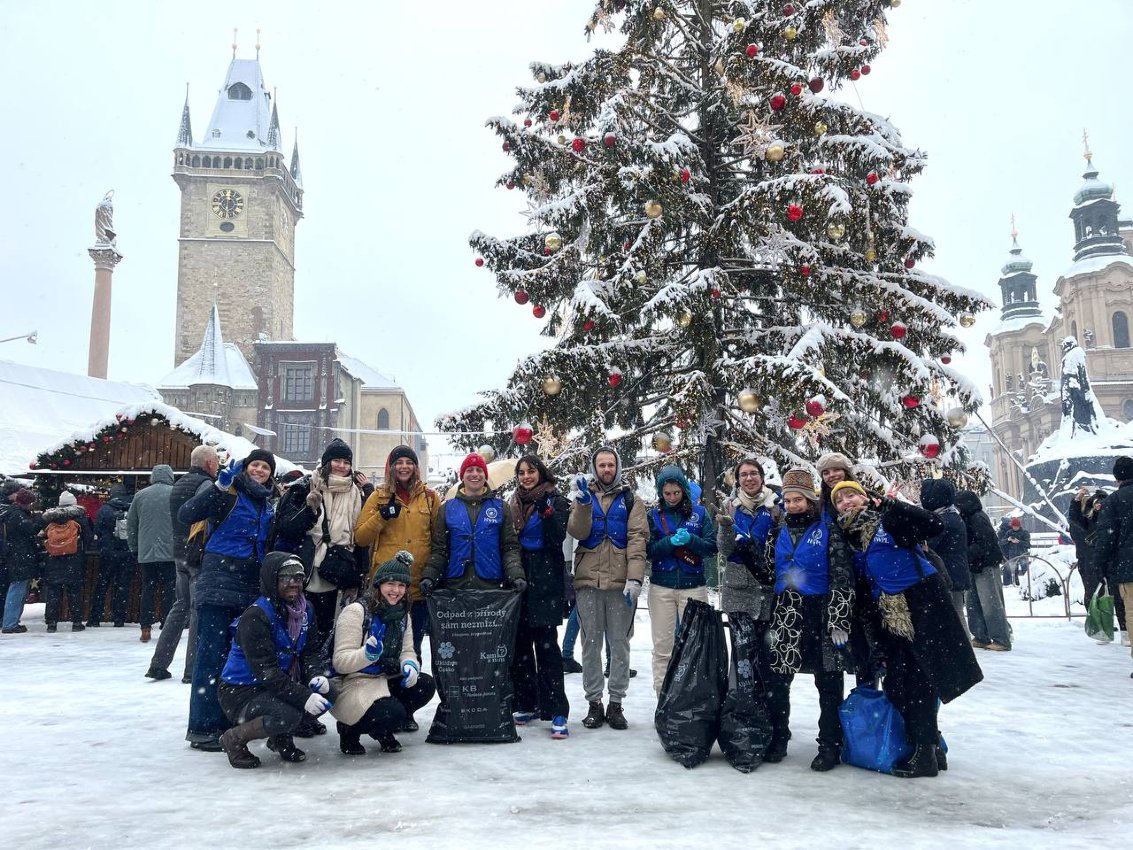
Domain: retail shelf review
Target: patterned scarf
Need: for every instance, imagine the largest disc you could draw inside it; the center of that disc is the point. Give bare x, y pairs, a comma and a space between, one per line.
523, 503
296, 613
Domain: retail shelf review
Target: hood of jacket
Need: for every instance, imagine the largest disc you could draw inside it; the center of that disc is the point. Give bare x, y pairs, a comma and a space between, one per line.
968, 503
62, 514
162, 474
616, 484
269, 572
673, 475
937, 493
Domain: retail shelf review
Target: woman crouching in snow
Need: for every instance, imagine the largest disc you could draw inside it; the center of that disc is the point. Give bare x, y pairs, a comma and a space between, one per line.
927, 655
380, 683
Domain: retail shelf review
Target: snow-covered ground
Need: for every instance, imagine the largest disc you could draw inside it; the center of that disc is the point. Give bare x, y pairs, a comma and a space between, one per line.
1040, 756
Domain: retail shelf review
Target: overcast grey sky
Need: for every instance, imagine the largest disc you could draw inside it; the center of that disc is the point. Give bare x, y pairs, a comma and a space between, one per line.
390, 101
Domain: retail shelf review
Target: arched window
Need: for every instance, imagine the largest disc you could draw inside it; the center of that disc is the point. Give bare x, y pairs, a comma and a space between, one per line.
1120, 330
248, 164
207, 162
383, 420
239, 91
1074, 330
228, 162
196, 160
1127, 410
259, 163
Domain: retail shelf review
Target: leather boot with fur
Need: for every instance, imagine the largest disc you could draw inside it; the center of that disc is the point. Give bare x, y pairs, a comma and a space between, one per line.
235, 743
921, 763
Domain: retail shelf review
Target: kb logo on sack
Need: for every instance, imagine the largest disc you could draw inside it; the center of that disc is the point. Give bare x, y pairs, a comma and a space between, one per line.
497, 657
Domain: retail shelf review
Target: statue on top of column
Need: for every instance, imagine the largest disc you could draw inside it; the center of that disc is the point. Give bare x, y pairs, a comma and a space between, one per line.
104, 221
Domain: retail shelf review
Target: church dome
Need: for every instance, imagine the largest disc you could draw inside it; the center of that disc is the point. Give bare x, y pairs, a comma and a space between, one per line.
1016, 262
1092, 189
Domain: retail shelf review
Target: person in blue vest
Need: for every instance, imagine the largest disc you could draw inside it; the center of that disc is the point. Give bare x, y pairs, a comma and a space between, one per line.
681, 535
474, 544
273, 675
239, 511
928, 658
540, 517
814, 587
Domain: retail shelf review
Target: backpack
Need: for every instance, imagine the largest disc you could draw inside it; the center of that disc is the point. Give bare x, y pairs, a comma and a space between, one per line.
195, 543
120, 525
62, 538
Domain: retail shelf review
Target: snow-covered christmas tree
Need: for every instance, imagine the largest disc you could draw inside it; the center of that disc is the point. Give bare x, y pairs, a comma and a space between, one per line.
719, 245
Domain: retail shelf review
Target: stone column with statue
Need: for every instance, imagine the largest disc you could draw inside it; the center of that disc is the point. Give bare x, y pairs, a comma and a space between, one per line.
105, 255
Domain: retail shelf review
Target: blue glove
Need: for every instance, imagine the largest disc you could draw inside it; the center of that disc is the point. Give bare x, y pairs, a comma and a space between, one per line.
410, 671
227, 475
632, 591
839, 637
316, 704
681, 537
319, 685
374, 646
580, 490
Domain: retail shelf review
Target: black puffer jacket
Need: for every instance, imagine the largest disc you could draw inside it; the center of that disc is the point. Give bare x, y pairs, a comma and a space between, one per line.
1113, 548
184, 488
105, 522
25, 552
938, 495
983, 545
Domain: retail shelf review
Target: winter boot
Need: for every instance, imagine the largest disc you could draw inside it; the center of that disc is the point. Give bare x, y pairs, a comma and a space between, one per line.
615, 717
828, 758
157, 675
388, 743
921, 763
348, 740
285, 746
309, 727
571, 666
941, 753
409, 725
595, 717
78, 627
235, 743
52, 627
777, 750
146, 634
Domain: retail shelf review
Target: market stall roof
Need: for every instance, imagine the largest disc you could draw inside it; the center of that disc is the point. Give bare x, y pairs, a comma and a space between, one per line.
41, 407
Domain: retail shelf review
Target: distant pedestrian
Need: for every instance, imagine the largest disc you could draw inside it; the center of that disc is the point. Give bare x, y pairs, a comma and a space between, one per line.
67, 535
24, 550
987, 614
116, 561
149, 529
1115, 536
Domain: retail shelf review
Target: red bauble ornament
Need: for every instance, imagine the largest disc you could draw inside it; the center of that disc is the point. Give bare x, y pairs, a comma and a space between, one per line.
553, 115
686, 175
883, 316
588, 325
872, 178
855, 74
627, 246
547, 252
538, 311
898, 330
910, 262
506, 146
66, 462
815, 408
863, 42
609, 140
778, 102
816, 85
796, 89
794, 212
804, 269
578, 145
929, 446
788, 10
818, 170
866, 69
31, 465
796, 422
946, 359
479, 262
910, 401
526, 122
522, 433
614, 379
752, 51
521, 297
510, 185
715, 293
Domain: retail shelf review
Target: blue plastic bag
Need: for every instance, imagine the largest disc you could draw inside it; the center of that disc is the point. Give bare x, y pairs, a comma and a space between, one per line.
873, 731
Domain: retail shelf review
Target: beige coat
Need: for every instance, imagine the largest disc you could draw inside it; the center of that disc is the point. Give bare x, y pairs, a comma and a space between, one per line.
355, 692
606, 567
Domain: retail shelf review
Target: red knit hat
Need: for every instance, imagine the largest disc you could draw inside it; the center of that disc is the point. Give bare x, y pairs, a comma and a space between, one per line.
470, 461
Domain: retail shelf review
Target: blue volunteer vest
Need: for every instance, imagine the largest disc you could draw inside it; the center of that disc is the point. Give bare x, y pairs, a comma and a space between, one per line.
894, 568
805, 567
244, 532
671, 563
479, 544
612, 524
754, 527
531, 538
236, 670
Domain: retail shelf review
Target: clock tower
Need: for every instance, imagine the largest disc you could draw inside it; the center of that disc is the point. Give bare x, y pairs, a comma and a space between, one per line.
240, 203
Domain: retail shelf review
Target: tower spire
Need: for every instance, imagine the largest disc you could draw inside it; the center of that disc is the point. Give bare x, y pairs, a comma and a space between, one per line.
185, 133
257, 44
273, 127
234, 31
296, 174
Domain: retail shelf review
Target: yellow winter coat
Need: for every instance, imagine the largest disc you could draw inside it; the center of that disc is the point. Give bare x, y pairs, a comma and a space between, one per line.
410, 531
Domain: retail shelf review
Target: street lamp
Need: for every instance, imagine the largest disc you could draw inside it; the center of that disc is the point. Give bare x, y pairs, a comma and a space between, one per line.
33, 337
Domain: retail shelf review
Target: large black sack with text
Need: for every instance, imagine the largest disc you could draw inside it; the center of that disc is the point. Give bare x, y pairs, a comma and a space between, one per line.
745, 721
472, 635
688, 711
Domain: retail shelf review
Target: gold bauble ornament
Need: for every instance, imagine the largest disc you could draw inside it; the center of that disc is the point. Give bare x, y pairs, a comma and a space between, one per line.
835, 230
957, 417
487, 453
858, 317
553, 242
870, 255
641, 277
739, 25
893, 4
719, 67
748, 401
967, 320
790, 33
658, 14
663, 442
820, 128
684, 319
541, 77
653, 209
527, 179
775, 151
561, 139
552, 385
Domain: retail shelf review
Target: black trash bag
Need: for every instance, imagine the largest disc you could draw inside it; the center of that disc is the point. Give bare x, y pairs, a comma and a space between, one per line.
688, 712
745, 720
473, 643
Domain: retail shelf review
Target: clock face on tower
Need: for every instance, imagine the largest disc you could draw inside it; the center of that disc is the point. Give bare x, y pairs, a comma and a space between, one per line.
227, 203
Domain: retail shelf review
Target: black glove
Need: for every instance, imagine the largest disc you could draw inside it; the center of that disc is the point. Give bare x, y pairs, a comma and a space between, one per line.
392, 510
545, 504
427, 585
743, 545
520, 584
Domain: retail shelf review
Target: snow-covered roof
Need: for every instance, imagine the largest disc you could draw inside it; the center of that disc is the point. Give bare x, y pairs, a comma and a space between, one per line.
370, 378
240, 123
1096, 264
1017, 324
235, 447
41, 407
217, 363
